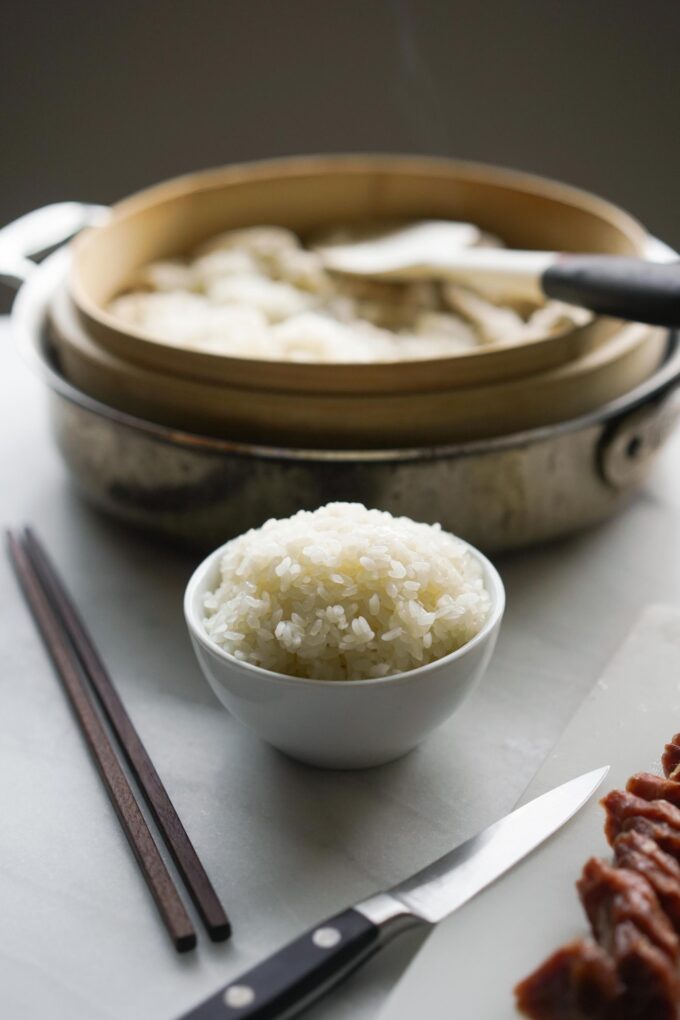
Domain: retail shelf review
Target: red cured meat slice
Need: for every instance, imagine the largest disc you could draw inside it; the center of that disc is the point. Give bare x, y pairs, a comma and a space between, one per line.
583, 982
667, 838
651, 787
578, 982
639, 853
612, 896
632, 971
621, 805
651, 983
670, 759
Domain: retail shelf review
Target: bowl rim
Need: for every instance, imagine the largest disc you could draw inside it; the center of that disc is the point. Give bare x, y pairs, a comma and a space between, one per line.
492, 580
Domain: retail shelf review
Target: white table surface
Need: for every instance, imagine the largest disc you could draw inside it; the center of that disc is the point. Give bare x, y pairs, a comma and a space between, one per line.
285, 844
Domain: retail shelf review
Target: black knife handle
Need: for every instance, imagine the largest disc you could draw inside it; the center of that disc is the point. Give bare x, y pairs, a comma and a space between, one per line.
626, 288
300, 972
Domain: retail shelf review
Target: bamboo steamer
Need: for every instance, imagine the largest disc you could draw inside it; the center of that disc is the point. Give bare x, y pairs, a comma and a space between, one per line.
354, 420
309, 194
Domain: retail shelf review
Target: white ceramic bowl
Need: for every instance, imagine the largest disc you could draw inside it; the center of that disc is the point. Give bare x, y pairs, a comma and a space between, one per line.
347, 724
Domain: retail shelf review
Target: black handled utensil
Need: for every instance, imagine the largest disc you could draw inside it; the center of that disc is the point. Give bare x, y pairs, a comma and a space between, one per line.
626, 288
309, 966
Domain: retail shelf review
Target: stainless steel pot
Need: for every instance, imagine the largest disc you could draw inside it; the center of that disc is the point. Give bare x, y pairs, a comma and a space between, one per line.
499, 493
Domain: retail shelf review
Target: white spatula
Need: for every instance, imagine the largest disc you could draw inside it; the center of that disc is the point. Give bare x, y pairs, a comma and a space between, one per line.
627, 288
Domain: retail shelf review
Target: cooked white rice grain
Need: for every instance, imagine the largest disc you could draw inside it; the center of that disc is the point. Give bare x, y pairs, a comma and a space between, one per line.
345, 593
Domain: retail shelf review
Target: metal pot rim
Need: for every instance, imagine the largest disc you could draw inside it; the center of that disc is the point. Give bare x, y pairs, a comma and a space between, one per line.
29, 320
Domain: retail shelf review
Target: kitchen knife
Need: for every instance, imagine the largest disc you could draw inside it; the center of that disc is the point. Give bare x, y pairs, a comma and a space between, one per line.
309, 966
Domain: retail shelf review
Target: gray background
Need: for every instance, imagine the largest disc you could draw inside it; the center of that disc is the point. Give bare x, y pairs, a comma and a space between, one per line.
103, 98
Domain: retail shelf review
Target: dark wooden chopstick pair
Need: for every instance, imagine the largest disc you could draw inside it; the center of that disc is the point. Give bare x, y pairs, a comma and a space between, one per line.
82, 672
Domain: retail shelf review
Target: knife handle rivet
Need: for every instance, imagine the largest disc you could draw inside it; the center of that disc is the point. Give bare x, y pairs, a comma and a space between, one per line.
326, 938
239, 996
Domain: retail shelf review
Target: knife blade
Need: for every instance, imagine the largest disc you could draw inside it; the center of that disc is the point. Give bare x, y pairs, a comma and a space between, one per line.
306, 968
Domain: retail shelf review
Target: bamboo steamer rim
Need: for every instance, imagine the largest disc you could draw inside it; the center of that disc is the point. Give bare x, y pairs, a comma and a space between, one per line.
31, 328
485, 173
492, 362
577, 388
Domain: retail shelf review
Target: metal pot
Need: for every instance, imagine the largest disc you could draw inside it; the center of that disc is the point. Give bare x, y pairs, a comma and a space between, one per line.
497, 493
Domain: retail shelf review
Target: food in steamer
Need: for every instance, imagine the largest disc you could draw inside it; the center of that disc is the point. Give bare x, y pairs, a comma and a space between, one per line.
630, 968
258, 292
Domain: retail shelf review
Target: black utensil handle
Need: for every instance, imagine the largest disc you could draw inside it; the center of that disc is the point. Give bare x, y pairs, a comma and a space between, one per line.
299, 973
626, 288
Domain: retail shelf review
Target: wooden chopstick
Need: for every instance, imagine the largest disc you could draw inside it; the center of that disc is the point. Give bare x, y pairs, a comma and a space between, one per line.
183, 853
157, 877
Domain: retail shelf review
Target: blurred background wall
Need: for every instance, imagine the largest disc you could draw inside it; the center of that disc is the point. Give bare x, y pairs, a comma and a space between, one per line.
102, 98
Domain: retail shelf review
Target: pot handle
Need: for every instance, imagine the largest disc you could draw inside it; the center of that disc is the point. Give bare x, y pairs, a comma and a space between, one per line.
630, 441
39, 231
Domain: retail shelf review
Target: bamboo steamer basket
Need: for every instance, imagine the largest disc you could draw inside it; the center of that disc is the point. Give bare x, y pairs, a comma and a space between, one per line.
355, 420
308, 194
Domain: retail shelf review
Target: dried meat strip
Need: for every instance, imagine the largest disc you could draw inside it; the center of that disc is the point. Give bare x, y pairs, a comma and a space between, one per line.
646, 844
621, 805
651, 787
633, 906
670, 759
667, 838
578, 982
581, 981
650, 980
641, 854
612, 896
